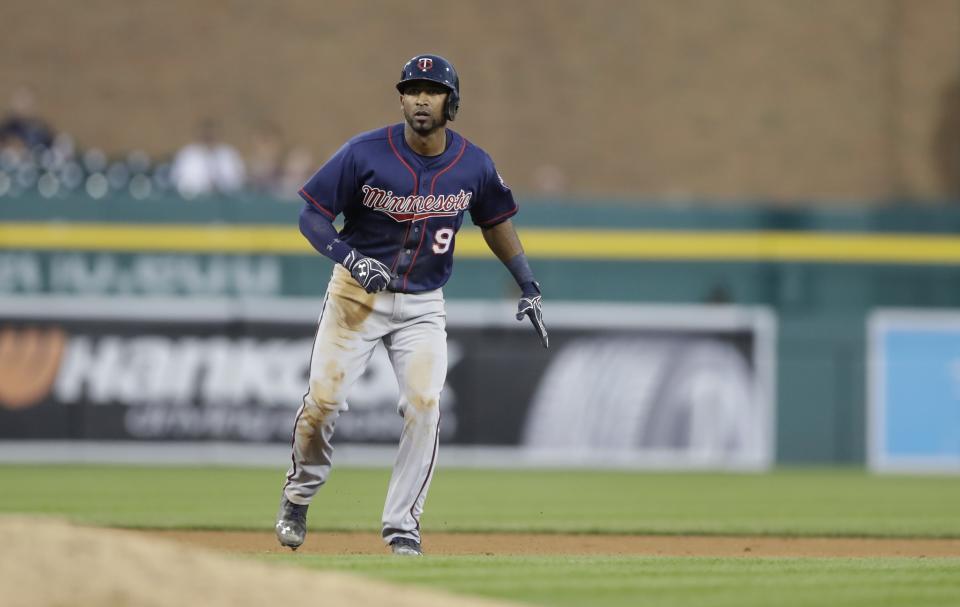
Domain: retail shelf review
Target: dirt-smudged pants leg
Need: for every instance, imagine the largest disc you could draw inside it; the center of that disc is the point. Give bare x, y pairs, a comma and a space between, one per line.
351, 324
418, 351
412, 327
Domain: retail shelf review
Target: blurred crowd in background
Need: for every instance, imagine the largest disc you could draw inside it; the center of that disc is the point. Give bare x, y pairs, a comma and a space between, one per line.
37, 158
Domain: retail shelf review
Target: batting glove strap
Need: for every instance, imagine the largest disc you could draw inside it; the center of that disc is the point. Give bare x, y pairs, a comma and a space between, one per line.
371, 274
532, 308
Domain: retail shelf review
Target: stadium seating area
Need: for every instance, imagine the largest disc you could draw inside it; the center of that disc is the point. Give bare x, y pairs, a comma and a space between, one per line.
62, 170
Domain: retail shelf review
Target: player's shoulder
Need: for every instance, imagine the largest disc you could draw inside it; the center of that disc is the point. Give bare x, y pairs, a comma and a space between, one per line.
374, 137
369, 144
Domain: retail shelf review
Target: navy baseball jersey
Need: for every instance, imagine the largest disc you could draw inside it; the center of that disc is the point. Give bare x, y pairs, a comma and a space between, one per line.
405, 209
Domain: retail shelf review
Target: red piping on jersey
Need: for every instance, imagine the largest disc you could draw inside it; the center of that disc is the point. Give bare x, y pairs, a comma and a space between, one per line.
414, 260
433, 184
326, 212
416, 183
416, 188
449, 166
506, 215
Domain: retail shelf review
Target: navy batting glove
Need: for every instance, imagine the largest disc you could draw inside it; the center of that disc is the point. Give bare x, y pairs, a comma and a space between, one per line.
372, 275
530, 306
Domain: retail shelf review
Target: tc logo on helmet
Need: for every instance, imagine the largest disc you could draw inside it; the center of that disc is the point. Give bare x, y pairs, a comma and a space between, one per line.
425, 63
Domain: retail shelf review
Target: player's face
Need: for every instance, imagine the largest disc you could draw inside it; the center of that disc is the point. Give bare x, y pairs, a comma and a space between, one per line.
422, 104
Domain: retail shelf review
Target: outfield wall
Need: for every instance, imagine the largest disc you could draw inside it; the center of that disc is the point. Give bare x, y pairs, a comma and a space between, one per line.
818, 272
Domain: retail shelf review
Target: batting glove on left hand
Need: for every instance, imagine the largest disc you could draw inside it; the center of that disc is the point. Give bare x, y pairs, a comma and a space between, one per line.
530, 306
372, 275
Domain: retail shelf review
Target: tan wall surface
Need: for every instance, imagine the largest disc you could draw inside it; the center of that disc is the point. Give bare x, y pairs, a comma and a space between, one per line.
720, 99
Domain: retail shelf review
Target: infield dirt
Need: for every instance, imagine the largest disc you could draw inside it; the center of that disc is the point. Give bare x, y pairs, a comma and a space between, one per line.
49, 563
46, 563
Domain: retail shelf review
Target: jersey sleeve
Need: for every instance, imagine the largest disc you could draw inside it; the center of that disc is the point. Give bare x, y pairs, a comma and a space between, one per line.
495, 202
333, 185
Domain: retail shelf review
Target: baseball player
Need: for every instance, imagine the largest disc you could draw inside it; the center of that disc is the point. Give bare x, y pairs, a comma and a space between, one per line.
403, 191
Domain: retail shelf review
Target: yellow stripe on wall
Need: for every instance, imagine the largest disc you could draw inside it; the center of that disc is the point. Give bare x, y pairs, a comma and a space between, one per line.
151, 237
831, 247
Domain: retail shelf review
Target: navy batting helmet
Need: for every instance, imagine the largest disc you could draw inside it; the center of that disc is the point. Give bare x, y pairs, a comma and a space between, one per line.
435, 69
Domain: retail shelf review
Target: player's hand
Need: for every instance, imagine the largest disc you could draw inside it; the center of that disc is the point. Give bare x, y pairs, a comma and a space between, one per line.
530, 306
372, 275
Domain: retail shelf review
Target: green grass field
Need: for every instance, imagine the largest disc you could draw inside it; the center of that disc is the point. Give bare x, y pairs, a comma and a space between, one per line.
801, 502
787, 502
682, 582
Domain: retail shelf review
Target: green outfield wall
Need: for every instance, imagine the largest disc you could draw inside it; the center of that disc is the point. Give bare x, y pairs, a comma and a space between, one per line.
821, 271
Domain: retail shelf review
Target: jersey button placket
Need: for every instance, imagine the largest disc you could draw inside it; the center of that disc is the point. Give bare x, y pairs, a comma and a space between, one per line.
413, 236
406, 255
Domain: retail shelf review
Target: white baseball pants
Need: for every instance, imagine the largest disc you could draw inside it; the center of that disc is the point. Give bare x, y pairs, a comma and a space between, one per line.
412, 327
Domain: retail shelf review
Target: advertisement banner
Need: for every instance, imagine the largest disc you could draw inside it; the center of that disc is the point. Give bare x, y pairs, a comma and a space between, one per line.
914, 391
676, 386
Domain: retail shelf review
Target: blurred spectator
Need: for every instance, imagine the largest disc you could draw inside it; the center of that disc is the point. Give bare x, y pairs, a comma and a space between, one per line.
208, 165
21, 128
36, 161
275, 171
298, 167
265, 163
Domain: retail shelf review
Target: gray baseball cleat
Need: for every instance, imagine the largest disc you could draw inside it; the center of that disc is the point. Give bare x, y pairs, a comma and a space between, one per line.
291, 523
405, 546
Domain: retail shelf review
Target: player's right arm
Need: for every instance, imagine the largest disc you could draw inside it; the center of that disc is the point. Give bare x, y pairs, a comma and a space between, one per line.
370, 273
325, 195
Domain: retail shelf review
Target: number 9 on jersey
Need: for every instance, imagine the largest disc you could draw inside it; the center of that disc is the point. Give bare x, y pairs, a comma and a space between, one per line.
442, 240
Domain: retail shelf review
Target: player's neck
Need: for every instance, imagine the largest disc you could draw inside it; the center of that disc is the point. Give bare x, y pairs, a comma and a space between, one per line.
431, 144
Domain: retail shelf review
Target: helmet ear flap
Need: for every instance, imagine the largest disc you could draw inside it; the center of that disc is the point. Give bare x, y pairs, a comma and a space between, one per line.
452, 106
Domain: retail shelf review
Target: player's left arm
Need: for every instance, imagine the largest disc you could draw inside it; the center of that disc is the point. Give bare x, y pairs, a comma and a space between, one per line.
503, 240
